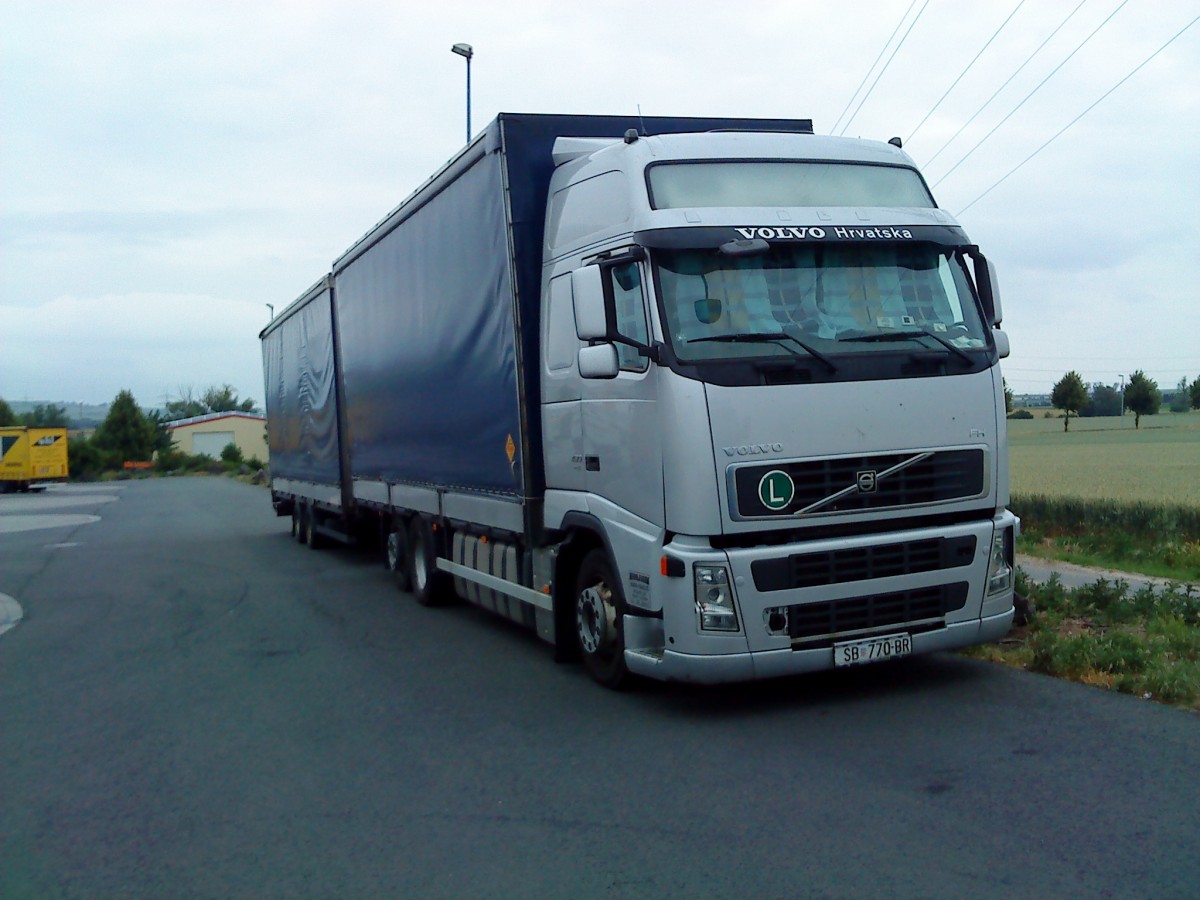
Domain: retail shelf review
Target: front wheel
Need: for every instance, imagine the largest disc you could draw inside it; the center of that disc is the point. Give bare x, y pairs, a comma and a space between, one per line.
599, 621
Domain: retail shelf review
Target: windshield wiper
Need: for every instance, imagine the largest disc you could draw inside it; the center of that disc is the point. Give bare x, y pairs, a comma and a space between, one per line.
882, 336
766, 337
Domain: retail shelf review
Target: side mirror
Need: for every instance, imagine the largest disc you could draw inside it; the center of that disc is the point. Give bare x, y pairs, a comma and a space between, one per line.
997, 313
987, 285
599, 361
587, 292
1003, 348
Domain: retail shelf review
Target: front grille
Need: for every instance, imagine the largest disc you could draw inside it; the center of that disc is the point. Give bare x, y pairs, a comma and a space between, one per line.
803, 570
852, 483
806, 621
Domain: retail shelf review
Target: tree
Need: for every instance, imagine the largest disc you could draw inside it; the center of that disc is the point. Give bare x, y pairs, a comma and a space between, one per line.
1181, 400
126, 433
1142, 396
163, 441
185, 407
223, 398
46, 415
1105, 400
8, 417
1008, 397
1195, 389
1069, 395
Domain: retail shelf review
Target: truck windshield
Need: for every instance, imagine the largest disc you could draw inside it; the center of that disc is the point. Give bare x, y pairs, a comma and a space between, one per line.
837, 299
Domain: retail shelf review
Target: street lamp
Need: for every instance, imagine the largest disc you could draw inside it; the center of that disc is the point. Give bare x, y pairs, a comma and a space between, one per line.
465, 51
271, 307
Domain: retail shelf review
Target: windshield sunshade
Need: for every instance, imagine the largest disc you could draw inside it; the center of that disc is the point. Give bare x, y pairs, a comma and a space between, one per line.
829, 299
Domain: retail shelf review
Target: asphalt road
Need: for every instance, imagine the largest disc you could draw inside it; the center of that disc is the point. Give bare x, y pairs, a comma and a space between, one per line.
193, 705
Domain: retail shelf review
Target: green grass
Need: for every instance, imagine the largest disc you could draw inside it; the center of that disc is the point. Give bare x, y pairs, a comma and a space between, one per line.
1149, 538
1146, 643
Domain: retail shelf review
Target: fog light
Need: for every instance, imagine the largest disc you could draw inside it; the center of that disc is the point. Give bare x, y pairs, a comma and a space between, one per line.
776, 618
714, 599
1000, 564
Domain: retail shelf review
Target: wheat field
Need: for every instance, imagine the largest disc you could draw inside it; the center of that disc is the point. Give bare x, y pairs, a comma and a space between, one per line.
1105, 458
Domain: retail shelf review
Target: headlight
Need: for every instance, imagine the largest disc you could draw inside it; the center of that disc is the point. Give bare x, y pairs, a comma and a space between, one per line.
1000, 564
714, 599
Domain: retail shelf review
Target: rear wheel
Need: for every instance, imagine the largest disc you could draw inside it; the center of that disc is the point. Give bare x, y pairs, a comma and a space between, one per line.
299, 523
311, 537
396, 550
599, 629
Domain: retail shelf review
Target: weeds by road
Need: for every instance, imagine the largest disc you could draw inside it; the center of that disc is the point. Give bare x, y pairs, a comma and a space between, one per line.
1145, 643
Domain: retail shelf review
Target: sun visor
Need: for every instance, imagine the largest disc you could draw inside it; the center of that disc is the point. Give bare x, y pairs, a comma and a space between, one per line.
702, 237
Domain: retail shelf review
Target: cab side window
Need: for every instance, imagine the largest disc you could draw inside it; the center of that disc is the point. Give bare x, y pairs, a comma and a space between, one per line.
631, 314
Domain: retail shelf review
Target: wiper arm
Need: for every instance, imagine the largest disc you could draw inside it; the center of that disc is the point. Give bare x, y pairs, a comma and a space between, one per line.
766, 337
880, 337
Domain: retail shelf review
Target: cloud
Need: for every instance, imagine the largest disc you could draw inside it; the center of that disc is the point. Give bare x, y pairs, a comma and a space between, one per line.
88, 349
187, 162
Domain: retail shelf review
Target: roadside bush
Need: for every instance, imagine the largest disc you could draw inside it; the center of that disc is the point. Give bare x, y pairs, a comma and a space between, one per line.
1146, 644
231, 453
178, 463
85, 461
1021, 414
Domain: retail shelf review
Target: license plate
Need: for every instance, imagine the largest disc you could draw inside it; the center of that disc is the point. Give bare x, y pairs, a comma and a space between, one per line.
869, 650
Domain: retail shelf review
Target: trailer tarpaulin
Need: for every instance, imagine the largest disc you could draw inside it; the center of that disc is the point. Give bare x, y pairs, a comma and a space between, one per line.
298, 364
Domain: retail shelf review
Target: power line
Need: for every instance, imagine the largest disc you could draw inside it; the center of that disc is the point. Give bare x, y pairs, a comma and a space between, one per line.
1015, 73
1082, 114
1025, 371
965, 71
885, 66
1095, 358
1031, 93
873, 65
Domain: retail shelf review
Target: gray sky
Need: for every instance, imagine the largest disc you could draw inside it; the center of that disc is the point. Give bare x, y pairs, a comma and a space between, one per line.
169, 168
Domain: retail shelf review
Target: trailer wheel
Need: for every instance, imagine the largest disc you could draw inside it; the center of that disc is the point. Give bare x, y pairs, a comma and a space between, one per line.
430, 587
397, 558
599, 612
311, 537
299, 528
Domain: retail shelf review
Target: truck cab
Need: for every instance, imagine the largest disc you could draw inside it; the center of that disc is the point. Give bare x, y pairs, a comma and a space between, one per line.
771, 400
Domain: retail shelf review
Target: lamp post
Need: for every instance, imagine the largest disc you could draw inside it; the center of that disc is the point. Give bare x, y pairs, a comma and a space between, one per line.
271, 307
465, 51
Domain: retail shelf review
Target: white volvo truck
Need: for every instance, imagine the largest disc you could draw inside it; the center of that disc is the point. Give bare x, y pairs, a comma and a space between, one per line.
695, 399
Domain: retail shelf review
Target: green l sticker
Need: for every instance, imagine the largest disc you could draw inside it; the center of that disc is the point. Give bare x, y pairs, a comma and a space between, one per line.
776, 490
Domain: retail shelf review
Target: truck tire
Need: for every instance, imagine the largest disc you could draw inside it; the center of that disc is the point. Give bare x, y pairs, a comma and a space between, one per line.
599, 621
396, 557
311, 537
298, 526
430, 587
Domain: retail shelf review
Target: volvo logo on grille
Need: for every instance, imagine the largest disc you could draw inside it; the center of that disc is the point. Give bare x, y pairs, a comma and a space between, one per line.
867, 481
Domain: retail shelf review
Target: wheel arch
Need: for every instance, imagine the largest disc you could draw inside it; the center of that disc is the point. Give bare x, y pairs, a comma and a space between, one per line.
584, 533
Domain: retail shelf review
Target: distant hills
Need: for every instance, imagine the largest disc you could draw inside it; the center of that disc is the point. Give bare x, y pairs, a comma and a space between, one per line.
82, 415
